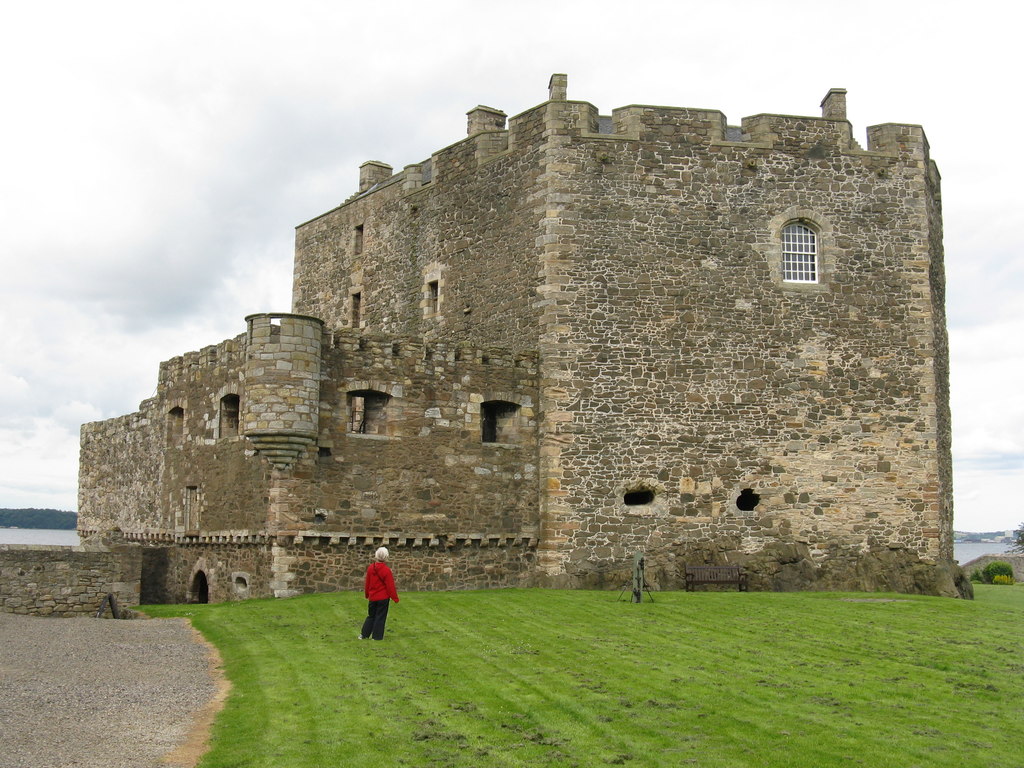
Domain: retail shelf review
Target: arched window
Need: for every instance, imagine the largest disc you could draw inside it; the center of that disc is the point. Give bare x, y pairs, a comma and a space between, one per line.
799, 254
176, 426
229, 407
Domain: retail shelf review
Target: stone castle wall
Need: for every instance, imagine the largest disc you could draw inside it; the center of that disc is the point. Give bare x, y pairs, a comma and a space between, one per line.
313, 562
118, 462
606, 292
466, 220
424, 468
694, 372
422, 472
173, 466
66, 581
674, 360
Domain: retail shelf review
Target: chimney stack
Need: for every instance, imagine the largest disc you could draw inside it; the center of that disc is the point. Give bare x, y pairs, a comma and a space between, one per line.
833, 106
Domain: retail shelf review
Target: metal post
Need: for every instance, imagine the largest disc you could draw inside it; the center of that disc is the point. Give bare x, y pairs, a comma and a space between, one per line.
638, 577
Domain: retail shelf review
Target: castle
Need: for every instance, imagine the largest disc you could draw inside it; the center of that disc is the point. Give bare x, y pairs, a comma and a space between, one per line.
563, 339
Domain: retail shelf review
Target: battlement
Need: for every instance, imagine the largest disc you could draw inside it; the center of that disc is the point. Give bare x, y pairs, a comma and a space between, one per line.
358, 348
372, 350
226, 354
490, 134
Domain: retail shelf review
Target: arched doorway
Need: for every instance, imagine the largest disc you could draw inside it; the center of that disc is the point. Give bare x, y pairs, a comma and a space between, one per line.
200, 592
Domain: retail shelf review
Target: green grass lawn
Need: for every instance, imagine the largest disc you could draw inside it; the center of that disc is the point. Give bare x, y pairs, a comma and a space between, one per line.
572, 678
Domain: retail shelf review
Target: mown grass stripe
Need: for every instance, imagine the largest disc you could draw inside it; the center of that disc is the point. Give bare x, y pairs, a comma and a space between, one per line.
533, 677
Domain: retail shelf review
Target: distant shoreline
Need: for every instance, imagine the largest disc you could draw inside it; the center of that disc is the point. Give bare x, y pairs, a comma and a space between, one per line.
38, 519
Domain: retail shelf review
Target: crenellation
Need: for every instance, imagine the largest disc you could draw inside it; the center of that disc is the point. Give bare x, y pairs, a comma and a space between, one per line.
817, 137
224, 355
485, 119
412, 177
899, 139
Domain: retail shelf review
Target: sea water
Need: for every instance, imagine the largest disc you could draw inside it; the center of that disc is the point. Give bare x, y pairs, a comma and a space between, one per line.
965, 551
63, 538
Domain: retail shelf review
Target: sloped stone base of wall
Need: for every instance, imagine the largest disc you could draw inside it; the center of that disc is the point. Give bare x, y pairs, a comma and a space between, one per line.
269, 569
789, 567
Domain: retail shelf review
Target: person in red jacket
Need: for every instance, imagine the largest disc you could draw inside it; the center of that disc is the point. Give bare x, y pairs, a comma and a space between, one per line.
378, 588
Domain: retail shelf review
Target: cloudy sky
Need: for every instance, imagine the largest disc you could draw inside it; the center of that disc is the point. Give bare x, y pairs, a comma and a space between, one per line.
156, 157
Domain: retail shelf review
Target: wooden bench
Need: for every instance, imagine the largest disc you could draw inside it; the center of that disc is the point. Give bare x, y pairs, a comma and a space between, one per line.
715, 574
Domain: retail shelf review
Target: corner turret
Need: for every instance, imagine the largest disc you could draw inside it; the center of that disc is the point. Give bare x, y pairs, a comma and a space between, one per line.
282, 385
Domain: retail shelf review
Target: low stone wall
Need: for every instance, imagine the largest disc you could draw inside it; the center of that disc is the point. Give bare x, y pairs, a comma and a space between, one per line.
979, 563
230, 571
287, 566
67, 581
462, 563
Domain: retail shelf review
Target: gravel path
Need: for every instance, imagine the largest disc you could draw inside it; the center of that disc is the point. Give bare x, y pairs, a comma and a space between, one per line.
100, 693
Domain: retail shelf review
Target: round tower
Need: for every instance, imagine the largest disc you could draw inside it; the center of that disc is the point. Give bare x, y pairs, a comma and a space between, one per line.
282, 385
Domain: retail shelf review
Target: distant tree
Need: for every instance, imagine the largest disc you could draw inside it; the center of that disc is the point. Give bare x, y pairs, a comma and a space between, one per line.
1018, 539
38, 518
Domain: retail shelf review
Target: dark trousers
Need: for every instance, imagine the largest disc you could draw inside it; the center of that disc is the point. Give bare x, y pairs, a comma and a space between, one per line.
375, 618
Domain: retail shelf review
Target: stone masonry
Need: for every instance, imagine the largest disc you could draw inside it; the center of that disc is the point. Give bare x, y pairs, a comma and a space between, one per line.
567, 337
67, 581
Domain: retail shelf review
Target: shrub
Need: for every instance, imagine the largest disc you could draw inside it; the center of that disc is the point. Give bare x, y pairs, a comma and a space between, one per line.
1002, 579
976, 576
996, 568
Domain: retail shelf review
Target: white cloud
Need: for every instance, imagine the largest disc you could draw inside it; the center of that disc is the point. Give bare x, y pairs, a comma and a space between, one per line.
988, 366
986, 497
156, 158
40, 462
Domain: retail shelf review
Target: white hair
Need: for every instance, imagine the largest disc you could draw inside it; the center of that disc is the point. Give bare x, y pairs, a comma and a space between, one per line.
381, 554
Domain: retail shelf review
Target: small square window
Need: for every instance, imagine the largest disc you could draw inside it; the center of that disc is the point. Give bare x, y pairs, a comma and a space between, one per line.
367, 412
499, 421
